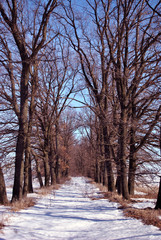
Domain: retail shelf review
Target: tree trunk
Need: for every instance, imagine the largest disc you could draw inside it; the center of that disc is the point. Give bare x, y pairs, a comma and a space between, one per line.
106, 174
122, 149
108, 160
30, 185
158, 203
133, 154
47, 169
19, 167
52, 160
57, 169
3, 194
132, 170
27, 170
98, 153
57, 164
102, 172
52, 170
118, 180
26, 167
38, 171
97, 171
22, 134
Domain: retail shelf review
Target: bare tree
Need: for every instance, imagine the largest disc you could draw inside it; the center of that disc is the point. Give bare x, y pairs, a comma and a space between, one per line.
14, 21
117, 54
57, 84
94, 62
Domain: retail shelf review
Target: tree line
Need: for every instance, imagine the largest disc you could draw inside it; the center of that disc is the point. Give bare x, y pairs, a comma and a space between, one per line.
104, 54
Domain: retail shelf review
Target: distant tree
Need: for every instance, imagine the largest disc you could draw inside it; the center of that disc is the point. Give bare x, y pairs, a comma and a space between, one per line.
118, 54
67, 140
57, 85
89, 44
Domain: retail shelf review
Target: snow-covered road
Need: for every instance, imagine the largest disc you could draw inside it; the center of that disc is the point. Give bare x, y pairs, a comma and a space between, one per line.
70, 214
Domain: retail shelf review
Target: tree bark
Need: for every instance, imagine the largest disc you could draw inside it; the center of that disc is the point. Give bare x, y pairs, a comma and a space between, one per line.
97, 171
26, 167
30, 185
108, 161
3, 194
122, 141
38, 171
27, 170
46, 168
118, 180
52, 164
57, 164
158, 203
132, 164
22, 133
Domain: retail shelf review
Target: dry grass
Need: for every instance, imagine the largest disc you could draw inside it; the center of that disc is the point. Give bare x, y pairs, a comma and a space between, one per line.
111, 196
47, 190
147, 216
148, 192
15, 207
101, 187
22, 204
65, 180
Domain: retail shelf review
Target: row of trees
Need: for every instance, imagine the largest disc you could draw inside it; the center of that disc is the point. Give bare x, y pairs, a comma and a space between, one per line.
107, 51
37, 78
118, 46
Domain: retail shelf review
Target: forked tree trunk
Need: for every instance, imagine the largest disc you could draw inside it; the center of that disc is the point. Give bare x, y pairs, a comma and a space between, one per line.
22, 134
27, 170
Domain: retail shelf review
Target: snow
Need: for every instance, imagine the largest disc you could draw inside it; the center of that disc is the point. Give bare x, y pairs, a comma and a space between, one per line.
144, 203
69, 213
